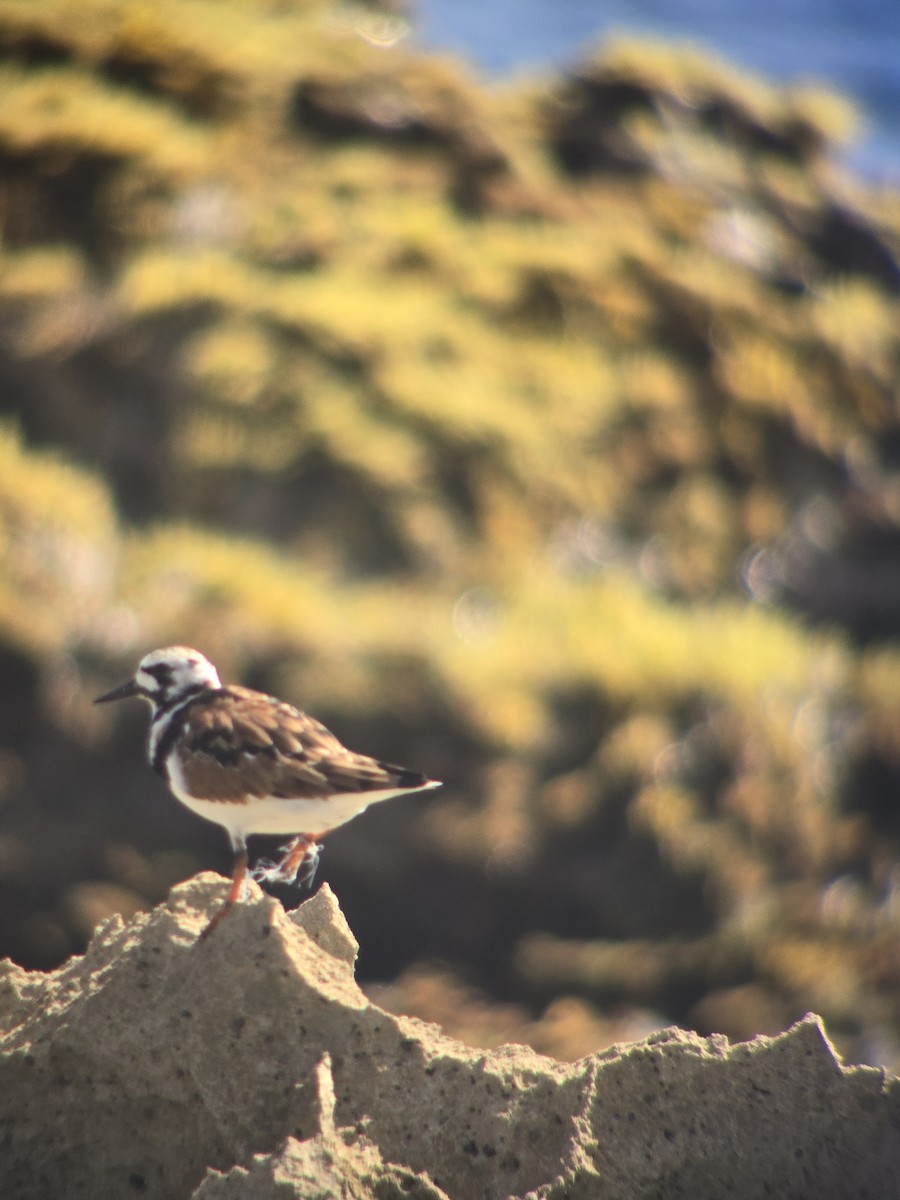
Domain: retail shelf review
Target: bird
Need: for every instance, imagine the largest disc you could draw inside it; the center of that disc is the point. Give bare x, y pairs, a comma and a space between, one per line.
254, 764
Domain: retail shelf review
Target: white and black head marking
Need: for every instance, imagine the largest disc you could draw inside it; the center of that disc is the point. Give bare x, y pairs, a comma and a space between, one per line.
172, 672
166, 675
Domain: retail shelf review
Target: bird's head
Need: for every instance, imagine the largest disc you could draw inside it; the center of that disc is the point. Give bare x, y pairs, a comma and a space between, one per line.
164, 676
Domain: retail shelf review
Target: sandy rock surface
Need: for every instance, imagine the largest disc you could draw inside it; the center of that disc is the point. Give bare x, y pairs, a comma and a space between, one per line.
251, 1065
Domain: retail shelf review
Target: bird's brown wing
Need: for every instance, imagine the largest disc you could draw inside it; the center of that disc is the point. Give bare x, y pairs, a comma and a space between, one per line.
240, 743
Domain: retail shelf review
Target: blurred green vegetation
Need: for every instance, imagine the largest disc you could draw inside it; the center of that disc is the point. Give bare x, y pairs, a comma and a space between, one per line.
542, 436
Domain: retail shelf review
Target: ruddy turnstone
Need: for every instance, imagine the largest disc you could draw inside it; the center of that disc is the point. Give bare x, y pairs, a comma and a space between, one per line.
254, 764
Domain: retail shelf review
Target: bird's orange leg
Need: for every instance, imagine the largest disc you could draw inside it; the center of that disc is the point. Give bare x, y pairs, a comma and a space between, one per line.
295, 854
299, 859
237, 887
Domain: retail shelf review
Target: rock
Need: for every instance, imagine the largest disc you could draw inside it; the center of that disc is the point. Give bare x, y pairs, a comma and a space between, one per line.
321, 1167
322, 919
251, 1065
338, 1163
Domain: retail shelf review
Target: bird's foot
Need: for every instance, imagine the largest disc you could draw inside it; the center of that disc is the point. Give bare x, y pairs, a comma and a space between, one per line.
265, 871
298, 864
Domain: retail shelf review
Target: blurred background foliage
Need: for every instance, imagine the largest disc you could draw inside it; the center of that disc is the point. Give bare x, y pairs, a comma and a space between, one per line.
542, 436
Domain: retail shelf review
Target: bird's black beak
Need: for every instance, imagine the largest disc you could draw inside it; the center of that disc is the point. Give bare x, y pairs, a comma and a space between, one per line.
130, 688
